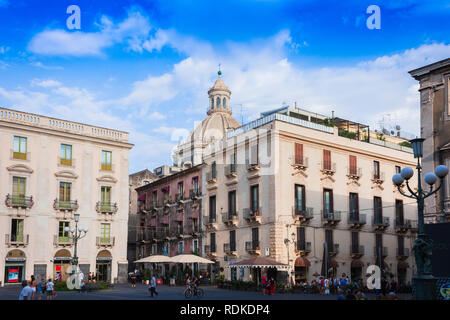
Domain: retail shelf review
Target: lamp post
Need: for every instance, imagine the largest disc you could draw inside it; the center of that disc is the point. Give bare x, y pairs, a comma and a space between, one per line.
423, 282
76, 234
287, 242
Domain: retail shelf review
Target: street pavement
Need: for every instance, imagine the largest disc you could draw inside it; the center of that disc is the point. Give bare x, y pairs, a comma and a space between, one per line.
125, 292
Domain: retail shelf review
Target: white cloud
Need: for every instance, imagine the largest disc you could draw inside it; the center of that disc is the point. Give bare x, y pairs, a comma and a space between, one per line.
156, 116
39, 64
3, 49
45, 83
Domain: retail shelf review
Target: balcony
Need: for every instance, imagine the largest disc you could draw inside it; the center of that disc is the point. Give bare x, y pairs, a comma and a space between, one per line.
195, 194
106, 207
304, 216
384, 251
356, 251
62, 241
106, 167
210, 251
402, 253
13, 201
20, 155
65, 205
402, 225
330, 218
354, 173
17, 240
378, 177
105, 241
179, 197
230, 171
300, 163
210, 222
328, 168
66, 162
229, 249
211, 177
333, 249
230, 218
303, 248
356, 220
253, 215
380, 223
252, 247
251, 166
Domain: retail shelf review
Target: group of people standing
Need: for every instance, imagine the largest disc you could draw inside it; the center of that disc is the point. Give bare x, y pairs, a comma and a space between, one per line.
31, 289
268, 284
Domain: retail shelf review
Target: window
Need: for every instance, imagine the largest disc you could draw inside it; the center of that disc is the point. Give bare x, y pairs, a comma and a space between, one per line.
212, 208
255, 238
212, 103
18, 191
180, 247
401, 245
105, 232
254, 199
300, 238
218, 102
155, 198
326, 160
106, 198
298, 154
224, 102
376, 170
232, 203
65, 155
63, 235
378, 243
195, 185
300, 205
354, 206
329, 240
17, 230
212, 242
398, 169
180, 190
399, 212
327, 201
64, 194
233, 163
20, 148
213, 170
377, 210
352, 165
355, 242
233, 240
195, 246
254, 155
106, 160
154, 248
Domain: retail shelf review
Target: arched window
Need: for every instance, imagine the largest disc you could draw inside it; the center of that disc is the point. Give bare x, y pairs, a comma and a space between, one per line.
224, 103
212, 103
218, 102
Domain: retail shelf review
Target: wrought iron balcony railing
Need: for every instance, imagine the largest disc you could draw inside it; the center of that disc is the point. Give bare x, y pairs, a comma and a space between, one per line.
252, 246
15, 201
106, 207
334, 216
62, 241
303, 246
354, 217
63, 205
17, 239
356, 250
105, 241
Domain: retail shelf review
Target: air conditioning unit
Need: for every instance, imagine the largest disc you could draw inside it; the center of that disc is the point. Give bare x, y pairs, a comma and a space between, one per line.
267, 251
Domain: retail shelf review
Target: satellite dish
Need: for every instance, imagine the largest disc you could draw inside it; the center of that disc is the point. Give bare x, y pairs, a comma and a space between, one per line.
385, 131
392, 132
397, 127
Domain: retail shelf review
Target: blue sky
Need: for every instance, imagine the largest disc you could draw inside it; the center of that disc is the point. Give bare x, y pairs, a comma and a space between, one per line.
145, 66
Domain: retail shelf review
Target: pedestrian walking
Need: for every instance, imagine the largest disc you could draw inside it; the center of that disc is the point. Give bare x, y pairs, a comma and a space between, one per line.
384, 285
133, 279
272, 285
153, 286
265, 284
41, 289
49, 289
33, 286
326, 285
26, 292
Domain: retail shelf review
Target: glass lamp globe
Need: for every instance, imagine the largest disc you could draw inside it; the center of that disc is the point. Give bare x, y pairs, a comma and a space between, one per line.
66, 229
441, 171
407, 173
430, 178
72, 229
397, 179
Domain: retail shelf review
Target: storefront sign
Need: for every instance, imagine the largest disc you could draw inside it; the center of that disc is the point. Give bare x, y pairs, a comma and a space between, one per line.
13, 275
15, 259
104, 259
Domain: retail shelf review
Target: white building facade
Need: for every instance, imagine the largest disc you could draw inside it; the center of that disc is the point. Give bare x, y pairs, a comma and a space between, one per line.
51, 170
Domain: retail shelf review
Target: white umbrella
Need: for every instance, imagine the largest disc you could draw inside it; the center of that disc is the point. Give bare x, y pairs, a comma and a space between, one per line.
189, 258
155, 259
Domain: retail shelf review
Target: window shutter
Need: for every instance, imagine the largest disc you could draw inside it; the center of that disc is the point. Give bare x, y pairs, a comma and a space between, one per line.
353, 169
327, 159
298, 153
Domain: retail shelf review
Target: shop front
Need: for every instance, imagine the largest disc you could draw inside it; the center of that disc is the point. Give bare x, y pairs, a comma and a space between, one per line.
356, 268
301, 265
62, 265
15, 266
103, 266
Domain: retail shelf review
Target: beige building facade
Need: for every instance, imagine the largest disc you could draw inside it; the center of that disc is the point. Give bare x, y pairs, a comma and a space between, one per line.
304, 190
52, 169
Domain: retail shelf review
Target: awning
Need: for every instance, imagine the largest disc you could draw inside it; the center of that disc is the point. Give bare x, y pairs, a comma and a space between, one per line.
155, 259
357, 264
142, 197
334, 263
302, 262
445, 147
402, 265
189, 258
258, 262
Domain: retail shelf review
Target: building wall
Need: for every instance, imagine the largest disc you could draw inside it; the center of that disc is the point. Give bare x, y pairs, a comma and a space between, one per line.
276, 196
43, 174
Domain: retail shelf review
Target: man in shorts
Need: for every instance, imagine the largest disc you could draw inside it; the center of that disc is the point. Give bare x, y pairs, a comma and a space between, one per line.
49, 289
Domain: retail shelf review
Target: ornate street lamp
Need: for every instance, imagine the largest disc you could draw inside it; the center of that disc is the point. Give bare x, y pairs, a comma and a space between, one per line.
423, 282
76, 234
